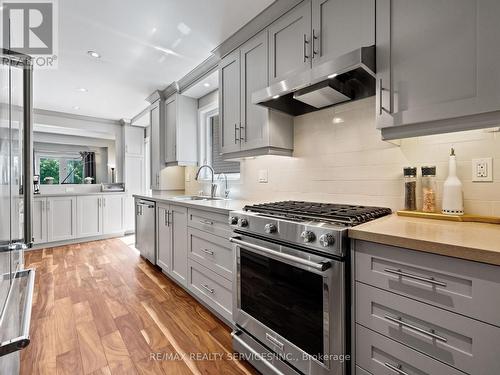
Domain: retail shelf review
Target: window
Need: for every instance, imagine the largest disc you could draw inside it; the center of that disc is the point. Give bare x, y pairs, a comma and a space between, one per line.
63, 169
210, 152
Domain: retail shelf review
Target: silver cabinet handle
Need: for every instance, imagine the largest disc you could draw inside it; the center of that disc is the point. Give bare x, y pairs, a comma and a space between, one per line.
429, 279
104, 202
207, 251
242, 127
236, 138
381, 102
395, 368
430, 333
274, 341
305, 48
314, 38
317, 266
208, 222
207, 288
165, 218
48, 205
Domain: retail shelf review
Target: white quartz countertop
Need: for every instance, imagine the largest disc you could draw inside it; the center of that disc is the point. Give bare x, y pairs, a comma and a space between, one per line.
220, 205
76, 193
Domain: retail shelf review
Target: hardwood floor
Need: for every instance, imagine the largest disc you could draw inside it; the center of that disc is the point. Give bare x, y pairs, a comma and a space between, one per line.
98, 308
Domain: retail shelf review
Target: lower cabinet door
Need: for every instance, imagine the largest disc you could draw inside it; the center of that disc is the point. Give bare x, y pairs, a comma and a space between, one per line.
61, 218
164, 238
178, 224
39, 215
113, 207
88, 216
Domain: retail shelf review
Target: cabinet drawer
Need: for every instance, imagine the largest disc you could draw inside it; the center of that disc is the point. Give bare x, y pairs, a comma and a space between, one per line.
213, 252
464, 287
211, 222
382, 356
211, 288
459, 341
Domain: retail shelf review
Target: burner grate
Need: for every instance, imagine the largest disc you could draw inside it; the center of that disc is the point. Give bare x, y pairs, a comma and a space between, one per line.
336, 213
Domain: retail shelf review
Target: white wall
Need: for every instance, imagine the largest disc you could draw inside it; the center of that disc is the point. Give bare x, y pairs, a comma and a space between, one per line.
348, 162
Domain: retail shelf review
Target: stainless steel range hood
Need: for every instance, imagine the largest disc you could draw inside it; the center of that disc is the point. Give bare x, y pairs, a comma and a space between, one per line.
348, 77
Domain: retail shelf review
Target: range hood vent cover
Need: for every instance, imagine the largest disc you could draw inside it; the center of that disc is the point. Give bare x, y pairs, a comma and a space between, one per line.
348, 77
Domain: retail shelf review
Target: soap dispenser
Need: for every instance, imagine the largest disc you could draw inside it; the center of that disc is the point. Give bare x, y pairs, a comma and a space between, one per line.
453, 201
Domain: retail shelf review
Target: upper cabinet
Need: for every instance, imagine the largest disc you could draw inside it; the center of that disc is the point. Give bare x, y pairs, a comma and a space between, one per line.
156, 143
289, 42
181, 130
341, 26
248, 129
437, 67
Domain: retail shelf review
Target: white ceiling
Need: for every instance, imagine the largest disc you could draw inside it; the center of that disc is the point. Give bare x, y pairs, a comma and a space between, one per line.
130, 35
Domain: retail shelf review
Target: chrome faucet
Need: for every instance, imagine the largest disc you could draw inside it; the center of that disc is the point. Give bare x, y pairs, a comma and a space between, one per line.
226, 191
213, 187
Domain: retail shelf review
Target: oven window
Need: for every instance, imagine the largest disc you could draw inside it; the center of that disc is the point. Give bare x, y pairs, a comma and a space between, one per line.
286, 299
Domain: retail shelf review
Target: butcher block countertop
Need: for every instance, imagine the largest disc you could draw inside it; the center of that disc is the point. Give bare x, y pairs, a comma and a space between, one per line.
471, 241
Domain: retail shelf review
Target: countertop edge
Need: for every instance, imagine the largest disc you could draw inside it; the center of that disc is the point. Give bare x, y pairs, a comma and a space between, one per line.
438, 248
192, 204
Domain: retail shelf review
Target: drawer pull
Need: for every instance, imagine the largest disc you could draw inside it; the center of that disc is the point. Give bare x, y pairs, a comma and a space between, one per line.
396, 369
399, 321
429, 280
207, 288
274, 341
209, 252
208, 222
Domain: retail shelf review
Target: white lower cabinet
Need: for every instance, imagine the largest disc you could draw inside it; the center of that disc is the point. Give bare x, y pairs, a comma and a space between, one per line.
64, 218
61, 218
89, 216
39, 215
113, 213
164, 237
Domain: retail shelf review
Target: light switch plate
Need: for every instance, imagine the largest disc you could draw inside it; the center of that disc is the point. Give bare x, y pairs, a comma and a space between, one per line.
482, 170
263, 176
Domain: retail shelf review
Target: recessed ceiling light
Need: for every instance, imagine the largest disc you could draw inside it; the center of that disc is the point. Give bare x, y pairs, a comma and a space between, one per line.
76, 107
333, 75
154, 30
206, 84
94, 54
82, 89
276, 96
338, 120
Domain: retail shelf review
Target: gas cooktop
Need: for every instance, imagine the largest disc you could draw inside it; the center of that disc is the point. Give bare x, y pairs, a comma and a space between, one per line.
348, 215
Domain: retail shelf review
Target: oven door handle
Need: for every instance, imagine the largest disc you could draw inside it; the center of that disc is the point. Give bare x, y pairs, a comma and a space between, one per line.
323, 266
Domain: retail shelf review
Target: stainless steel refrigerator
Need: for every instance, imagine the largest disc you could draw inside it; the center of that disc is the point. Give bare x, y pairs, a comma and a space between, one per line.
16, 170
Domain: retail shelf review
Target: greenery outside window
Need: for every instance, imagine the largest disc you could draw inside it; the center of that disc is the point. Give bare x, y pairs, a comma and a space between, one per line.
58, 170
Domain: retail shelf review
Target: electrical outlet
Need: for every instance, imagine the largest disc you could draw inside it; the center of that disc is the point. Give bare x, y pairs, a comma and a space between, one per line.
482, 170
263, 176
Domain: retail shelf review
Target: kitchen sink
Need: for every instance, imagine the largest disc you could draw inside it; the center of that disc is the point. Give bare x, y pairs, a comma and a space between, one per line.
196, 198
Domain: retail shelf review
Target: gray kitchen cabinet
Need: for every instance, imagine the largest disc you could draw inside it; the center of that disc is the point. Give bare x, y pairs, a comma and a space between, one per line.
61, 218
290, 43
88, 216
248, 129
437, 69
39, 220
172, 239
179, 269
181, 130
340, 26
156, 145
164, 237
229, 102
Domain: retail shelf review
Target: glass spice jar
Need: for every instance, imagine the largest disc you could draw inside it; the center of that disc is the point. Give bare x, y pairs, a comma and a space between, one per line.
429, 188
410, 187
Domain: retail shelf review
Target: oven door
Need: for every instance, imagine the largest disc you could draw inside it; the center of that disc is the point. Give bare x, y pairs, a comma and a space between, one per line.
293, 302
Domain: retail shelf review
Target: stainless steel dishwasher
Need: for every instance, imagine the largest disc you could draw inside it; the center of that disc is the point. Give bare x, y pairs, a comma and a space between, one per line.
145, 232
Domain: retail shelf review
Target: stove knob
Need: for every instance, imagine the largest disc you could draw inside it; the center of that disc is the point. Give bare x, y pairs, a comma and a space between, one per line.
308, 236
233, 220
326, 240
271, 228
242, 223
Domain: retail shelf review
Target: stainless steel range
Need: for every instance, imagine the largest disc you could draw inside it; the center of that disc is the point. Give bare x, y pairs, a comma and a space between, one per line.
290, 289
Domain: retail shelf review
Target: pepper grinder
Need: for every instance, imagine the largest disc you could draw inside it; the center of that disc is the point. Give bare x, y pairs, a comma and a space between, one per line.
453, 200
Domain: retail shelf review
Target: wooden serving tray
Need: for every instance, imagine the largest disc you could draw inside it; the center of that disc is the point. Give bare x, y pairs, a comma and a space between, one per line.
460, 218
